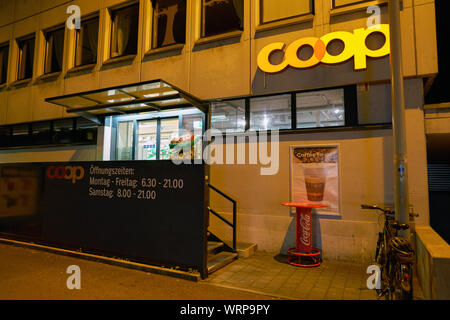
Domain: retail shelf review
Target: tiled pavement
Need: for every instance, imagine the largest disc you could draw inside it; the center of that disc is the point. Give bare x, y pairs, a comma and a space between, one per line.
269, 274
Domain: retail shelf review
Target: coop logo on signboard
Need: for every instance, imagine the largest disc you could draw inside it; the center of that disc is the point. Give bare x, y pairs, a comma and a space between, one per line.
354, 46
65, 172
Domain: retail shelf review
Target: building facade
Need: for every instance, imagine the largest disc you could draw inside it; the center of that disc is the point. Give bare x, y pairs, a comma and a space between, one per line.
213, 53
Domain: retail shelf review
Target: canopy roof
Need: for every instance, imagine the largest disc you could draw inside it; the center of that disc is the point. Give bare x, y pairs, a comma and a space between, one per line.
155, 95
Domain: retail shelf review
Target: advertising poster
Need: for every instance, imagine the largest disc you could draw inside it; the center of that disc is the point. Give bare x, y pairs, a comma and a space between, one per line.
315, 176
18, 191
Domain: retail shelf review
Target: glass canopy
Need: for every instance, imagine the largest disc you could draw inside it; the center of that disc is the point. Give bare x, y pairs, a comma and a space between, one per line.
156, 95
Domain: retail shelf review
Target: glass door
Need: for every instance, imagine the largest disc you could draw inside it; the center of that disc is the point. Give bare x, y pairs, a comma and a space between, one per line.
147, 148
169, 130
125, 140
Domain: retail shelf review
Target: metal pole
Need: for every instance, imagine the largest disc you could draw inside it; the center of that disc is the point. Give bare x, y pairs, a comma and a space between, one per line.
398, 118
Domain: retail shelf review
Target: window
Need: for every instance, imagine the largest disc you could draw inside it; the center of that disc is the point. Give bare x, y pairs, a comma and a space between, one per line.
221, 16
273, 112
4, 53
274, 10
169, 22
26, 58
154, 138
54, 47
169, 129
125, 140
48, 133
87, 43
341, 3
228, 115
289, 111
193, 124
124, 33
320, 109
63, 130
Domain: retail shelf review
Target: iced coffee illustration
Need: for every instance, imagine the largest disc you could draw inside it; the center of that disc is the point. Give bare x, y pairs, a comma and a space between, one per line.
315, 175
315, 179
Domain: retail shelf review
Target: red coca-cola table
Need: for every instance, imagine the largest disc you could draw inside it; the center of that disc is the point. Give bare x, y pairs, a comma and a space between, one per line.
304, 255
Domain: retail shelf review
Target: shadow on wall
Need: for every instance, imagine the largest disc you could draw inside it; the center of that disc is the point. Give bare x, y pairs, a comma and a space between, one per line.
74, 153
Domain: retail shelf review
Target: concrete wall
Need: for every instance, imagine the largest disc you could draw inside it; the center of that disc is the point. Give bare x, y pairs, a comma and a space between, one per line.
227, 65
365, 177
74, 153
433, 264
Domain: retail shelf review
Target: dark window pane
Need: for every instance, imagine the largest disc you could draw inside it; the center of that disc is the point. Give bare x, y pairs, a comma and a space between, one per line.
83, 123
54, 50
26, 58
267, 113
124, 33
63, 125
40, 127
41, 133
220, 16
228, 115
63, 130
4, 53
87, 43
323, 108
169, 22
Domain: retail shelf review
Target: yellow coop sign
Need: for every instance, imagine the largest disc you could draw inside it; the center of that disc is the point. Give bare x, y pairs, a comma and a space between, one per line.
354, 46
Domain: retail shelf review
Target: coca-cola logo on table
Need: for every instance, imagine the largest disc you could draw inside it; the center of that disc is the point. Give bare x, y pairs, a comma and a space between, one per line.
305, 223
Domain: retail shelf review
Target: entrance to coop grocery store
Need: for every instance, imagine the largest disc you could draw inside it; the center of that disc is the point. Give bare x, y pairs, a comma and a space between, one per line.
153, 121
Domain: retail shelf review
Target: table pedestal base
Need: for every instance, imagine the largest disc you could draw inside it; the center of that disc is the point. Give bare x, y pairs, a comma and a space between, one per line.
301, 259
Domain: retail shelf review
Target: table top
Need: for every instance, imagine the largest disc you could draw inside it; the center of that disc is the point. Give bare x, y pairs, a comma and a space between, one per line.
304, 204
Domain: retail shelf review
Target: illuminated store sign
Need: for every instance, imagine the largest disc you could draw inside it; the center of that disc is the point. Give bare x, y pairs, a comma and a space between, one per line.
354, 46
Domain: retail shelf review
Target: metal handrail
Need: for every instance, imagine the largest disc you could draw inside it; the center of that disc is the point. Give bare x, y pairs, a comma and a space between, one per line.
231, 224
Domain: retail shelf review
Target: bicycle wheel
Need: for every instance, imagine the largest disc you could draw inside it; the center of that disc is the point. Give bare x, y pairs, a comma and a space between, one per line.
380, 259
403, 282
380, 244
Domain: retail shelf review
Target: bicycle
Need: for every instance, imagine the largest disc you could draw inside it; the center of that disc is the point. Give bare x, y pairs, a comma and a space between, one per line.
395, 256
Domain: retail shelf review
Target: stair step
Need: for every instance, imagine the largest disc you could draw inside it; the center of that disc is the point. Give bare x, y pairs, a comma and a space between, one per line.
213, 246
220, 260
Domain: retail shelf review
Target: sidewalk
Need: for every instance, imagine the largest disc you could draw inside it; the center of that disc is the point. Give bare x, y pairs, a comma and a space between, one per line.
266, 274
260, 277
28, 274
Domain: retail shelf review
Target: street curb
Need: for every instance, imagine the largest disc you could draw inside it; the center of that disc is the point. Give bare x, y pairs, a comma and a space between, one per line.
111, 261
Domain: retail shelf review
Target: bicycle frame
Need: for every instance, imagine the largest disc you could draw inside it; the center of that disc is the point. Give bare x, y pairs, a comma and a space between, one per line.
394, 269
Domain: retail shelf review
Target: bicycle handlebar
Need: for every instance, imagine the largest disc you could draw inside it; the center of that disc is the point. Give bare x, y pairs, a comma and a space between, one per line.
385, 211
366, 206
372, 207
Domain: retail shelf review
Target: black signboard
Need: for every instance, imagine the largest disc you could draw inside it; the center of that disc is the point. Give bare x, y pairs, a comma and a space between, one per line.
146, 211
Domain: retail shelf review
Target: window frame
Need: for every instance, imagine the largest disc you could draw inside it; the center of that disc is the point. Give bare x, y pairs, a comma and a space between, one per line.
293, 18
154, 30
19, 41
77, 38
350, 109
112, 14
217, 35
334, 6
46, 33
7, 46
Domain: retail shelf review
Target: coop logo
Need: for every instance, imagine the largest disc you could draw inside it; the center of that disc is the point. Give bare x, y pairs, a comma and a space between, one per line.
65, 172
354, 46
